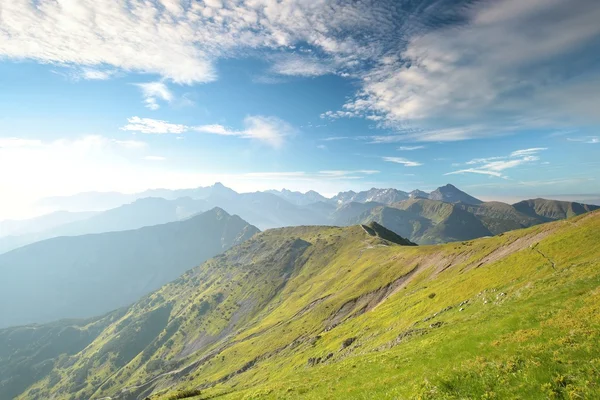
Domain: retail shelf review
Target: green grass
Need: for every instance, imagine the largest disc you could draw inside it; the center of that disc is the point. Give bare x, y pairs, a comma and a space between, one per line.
528, 328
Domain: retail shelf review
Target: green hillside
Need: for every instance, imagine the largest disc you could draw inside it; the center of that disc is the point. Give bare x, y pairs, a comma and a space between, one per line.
325, 312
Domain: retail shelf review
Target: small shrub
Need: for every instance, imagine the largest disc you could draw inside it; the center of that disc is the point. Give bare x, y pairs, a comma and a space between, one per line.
184, 394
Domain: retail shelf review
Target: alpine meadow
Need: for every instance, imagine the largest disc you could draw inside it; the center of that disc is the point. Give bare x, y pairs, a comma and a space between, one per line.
299, 199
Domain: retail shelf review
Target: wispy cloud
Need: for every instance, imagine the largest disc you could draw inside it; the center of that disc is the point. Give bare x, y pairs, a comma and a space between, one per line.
587, 139
154, 91
403, 161
527, 152
93, 74
335, 138
494, 166
298, 65
270, 130
488, 66
410, 148
153, 126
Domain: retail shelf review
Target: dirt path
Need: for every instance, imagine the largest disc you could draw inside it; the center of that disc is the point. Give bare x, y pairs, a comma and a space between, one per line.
552, 263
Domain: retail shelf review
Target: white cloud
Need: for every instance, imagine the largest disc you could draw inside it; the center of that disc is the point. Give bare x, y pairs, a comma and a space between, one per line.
403, 161
492, 68
177, 40
410, 148
153, 126
155, 158
154, 91
527, 152
297, 65
97, 74
494, 166
588, 139
270, 130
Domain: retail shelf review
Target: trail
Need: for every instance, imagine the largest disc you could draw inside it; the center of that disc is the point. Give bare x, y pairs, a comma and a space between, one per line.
552, 263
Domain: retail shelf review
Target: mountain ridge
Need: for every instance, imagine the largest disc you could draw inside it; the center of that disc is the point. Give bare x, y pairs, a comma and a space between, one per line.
314, 312
76, 273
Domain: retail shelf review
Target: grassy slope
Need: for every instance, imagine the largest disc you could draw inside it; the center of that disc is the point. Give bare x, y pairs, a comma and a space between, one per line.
529, 328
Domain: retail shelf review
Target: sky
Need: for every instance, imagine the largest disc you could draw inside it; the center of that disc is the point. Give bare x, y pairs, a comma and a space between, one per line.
500, 97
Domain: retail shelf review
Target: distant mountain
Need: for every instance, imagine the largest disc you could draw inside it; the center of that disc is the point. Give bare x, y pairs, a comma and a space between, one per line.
299, 198
418, 194
427, 221
143, 212
451, 194
41, 223
551, 210
346, 213
385, 196
501, 217
82, 276
101, 201
446, 214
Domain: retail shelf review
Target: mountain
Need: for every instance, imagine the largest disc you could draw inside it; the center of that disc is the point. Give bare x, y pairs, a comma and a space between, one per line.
41, 223
418, 194
101, 201
143, 212
427, 221
551, 210
501, 217
299, 198
451, 194
326, 312
82, 276
446, 214
385, 196
346, 214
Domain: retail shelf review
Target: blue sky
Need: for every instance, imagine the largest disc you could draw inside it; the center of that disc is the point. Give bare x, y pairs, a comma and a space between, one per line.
499, 98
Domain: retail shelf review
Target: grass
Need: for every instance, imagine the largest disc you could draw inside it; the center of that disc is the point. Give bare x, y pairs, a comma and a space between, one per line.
504, 321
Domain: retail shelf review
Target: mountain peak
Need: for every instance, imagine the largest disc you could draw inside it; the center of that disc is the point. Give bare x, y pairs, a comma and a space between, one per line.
451, 194
375, 229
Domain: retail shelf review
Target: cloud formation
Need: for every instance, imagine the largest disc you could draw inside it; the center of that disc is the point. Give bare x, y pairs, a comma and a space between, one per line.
270, 130
410, 148
403, 161
154, 91
494, 166
431, 70
510, 64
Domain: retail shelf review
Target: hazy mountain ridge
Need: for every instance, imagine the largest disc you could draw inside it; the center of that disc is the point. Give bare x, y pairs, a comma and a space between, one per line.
142, 212
41, 223
272, 209
303, 312
87, 275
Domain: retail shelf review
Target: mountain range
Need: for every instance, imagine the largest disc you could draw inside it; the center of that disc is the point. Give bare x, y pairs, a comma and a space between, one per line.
446, 214
355, 312
88, 275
